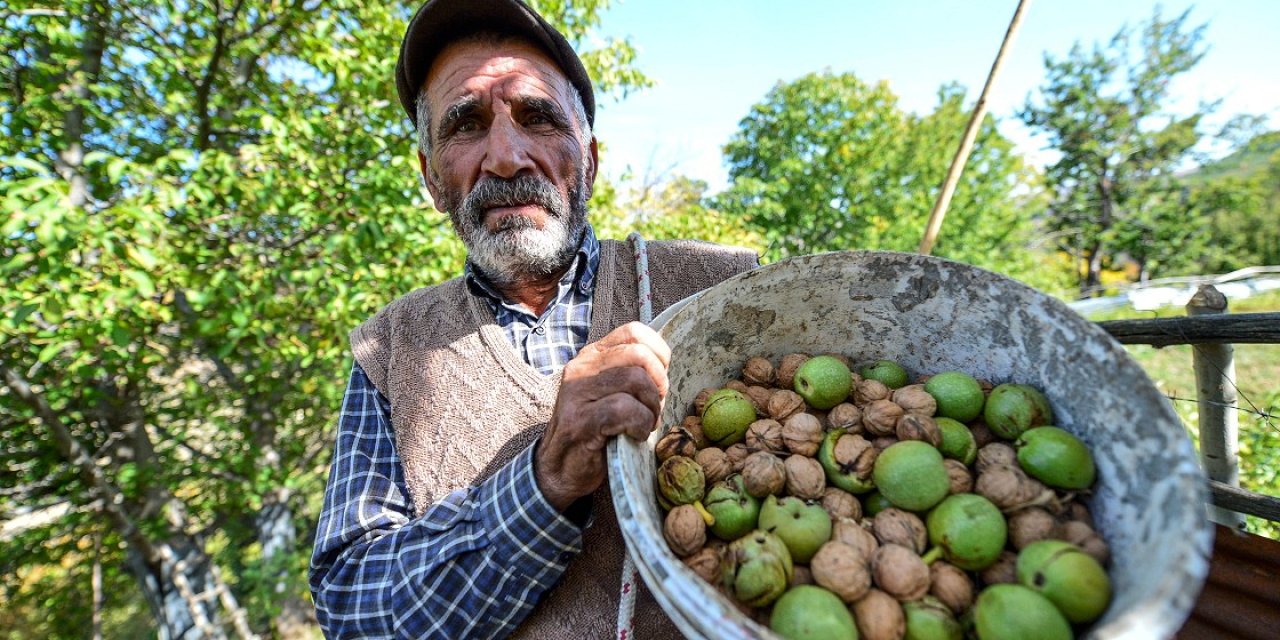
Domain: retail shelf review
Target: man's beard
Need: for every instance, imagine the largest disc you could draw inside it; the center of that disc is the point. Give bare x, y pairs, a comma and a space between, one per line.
518, 248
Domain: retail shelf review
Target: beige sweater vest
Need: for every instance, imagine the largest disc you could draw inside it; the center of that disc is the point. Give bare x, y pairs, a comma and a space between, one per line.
464, 403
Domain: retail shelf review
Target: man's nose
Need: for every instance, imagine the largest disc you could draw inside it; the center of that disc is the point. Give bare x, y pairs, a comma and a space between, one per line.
506, 150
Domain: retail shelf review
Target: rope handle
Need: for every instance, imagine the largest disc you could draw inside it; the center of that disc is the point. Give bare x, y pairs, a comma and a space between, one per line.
630, 575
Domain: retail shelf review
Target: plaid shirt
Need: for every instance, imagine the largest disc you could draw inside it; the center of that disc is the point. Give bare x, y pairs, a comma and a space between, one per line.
477, 561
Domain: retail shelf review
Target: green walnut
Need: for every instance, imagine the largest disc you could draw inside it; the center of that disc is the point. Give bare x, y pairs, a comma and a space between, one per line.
910, 474
823, 382
1013, 408
1070, 578
1015, 612
808, 612
735, 511
1055, 457
726, 416
969, 529
887, 371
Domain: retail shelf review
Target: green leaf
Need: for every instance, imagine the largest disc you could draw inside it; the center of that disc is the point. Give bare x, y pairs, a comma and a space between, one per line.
50, 350
141, 256
146, 287
21, 314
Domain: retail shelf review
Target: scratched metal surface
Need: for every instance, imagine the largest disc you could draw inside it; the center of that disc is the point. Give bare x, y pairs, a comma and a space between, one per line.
933, 315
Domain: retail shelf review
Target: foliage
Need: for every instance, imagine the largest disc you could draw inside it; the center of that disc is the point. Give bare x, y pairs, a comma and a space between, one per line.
670, 207
1114, 188
199, 201
829, 162
1240, 197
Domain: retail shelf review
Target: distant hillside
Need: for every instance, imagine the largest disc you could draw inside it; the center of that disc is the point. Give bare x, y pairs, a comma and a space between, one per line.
1246, 161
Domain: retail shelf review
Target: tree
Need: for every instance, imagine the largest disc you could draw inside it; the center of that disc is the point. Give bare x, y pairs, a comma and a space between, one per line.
1240, 197
1105, 114
828, 162
198, 201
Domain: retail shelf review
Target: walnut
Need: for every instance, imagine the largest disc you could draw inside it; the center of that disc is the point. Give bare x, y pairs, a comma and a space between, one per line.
715, 464
996, 454
700, 400
854, 534
903, 528
841, 504
783, 404
802, 433
677, 442
899, 572
801, 574
1031, 525
883, 442
1084, 536
706, 563
737, 385
917, 427
868, 391
784, 375
845, 416
982, 434
1077, 511
758, 371
951, 585
737, 455
759, 397
879, 617
848, 453
959, 476
842, 570
685, 530
805, 477
1010, 488
763, 474
880, 417
693, 424
1003, 571
765, 435
915, 400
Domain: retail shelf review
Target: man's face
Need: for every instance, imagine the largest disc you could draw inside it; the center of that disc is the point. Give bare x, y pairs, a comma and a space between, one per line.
507, 157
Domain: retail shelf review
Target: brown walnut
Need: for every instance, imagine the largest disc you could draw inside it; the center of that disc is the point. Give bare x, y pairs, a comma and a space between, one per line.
903, 528
784, 403
854, 534
765, 435
841, 504
763, 474
805, 477
951, 585
845, 416
899, 572
959, 476
915, 400
677, 442
868, 391
802, 434
685, 530
1031, 525
715, 464
784, 375
842, 570
917, 427
706, 563
879, 617
880, 417
758, 371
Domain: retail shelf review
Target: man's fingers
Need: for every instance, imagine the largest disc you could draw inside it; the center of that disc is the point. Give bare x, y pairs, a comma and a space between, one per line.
623, 413
631, 381
638, 333
620, 356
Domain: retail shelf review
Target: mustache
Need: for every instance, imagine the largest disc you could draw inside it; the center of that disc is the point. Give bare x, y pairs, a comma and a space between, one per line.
508, 192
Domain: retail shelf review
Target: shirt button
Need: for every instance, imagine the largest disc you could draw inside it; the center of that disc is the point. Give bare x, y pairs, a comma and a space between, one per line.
539, 330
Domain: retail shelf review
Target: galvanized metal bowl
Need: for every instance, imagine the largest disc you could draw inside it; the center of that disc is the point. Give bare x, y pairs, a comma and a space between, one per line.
932, 315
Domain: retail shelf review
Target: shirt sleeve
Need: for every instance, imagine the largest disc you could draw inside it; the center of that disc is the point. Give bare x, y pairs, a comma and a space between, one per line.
473, 566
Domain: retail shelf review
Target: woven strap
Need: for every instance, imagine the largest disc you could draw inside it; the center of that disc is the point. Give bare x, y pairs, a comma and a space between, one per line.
630, 576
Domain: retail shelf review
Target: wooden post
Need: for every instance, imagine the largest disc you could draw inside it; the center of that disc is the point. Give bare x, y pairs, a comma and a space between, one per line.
970, 132
1216, 391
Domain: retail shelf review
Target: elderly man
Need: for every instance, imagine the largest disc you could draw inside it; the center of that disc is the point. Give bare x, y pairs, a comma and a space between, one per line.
466, 495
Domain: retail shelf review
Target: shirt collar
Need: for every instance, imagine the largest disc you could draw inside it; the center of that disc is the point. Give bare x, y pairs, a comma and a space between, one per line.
581, 273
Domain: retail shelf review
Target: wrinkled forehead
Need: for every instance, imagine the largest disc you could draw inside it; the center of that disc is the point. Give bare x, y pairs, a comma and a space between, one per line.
474, 67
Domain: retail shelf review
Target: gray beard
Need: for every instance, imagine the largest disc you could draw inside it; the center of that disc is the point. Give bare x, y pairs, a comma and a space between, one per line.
519, 249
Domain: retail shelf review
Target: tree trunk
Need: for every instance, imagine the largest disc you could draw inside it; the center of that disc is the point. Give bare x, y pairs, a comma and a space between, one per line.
180, 591
278, 536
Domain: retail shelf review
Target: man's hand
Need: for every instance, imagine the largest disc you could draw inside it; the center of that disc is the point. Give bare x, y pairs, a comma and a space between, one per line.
613, 386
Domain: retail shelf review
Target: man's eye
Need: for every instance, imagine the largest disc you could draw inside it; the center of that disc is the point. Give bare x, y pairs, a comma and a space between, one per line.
537, 119
467, 126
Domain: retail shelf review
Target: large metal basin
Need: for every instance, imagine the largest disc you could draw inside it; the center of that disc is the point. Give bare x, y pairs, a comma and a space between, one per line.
932, 315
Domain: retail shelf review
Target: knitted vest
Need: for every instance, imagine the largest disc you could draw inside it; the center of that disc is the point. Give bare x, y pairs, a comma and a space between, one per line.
464, 403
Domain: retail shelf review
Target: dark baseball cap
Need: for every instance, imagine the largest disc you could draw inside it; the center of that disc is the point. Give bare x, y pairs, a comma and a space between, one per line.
440, 22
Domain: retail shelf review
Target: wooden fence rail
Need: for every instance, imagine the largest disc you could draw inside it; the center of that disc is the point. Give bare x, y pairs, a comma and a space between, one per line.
1216, 330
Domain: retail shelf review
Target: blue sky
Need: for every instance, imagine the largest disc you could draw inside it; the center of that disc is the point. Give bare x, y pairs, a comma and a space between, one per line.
713, 59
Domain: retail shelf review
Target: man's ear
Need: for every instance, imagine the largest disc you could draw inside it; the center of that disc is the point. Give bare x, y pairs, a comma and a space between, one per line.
428, 180
593, 166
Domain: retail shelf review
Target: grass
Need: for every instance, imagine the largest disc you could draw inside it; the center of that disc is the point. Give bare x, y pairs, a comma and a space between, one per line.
1257, 369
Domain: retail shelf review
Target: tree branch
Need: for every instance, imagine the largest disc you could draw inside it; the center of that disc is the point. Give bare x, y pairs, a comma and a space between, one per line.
112, 499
